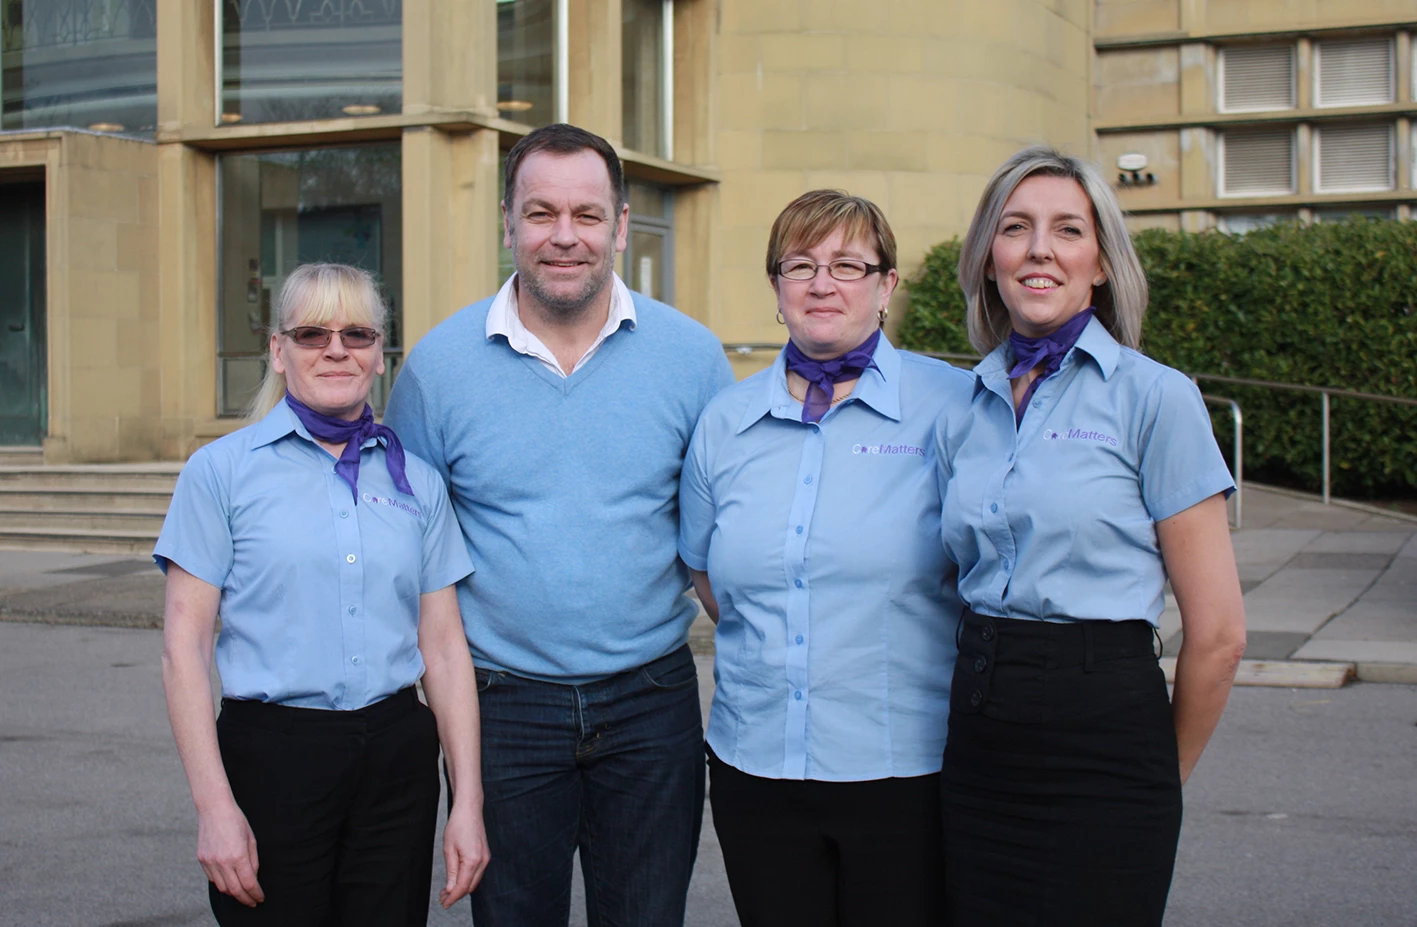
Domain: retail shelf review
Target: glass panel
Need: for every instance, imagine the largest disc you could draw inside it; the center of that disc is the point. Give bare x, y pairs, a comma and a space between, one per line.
526, 61
83, 63
506, 264
289, 60
648, 263
647, 202
641, 74
1355, 214
23, 315
282, 209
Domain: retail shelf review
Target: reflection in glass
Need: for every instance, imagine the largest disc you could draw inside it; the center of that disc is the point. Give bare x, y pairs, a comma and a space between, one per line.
290, 60
642, 74
506, 264
83, 63
649, 256
526, 61
282, 209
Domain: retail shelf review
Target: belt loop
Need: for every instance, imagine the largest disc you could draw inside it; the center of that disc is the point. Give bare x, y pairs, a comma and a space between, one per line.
1087, 646
959, 627
1160, 644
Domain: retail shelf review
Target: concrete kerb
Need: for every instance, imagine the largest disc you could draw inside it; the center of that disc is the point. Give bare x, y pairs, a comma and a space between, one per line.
1363, 507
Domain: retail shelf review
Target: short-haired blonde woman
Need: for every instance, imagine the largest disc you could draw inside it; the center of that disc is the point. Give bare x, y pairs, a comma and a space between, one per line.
330, 556
810, 517
1084, 477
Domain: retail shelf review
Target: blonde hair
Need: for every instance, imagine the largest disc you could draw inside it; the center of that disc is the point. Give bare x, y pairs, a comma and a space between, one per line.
809, 219
1121, 301
314, 294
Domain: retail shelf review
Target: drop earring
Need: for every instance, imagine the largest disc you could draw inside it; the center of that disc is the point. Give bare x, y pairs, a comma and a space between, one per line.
780, 319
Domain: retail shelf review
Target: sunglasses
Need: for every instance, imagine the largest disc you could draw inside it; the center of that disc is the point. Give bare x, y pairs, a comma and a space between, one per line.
313, 336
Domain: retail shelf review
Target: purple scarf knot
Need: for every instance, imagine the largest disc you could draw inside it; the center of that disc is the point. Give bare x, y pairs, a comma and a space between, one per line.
1048, 350
822, 376
353, 435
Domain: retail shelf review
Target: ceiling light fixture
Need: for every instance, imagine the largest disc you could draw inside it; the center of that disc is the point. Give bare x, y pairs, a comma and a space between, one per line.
361, 109
515, 106
230, 118
106, 127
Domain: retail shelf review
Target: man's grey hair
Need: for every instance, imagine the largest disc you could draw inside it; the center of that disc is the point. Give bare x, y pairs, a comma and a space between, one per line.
1120, 302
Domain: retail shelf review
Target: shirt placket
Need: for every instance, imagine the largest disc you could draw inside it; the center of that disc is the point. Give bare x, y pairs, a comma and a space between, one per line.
799, 601
995, 513
351, 591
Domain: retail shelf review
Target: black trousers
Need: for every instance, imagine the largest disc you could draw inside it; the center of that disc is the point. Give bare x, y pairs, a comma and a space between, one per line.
1061, 788
343, 804
829, 854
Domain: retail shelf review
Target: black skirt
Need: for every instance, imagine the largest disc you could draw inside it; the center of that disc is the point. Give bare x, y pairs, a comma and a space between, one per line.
1061, 788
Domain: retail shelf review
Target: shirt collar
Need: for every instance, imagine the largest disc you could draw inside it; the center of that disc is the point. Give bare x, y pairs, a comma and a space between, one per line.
879, 389
504, 319
1095, 341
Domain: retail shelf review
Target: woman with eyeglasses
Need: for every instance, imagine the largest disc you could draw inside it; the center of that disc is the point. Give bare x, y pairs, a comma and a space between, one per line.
329, 556
810, 518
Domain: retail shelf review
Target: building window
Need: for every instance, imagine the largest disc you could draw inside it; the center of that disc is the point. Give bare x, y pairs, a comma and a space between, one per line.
282, 209
1355, 214
1350, 158
1256, 77
649, 254
79, 63
646, 74
528, 66
1242, 223
1257, 162
1353, 72
310, 59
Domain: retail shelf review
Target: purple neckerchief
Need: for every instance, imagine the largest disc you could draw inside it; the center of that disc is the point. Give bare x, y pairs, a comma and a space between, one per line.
821, 376
1049, 350
353, 435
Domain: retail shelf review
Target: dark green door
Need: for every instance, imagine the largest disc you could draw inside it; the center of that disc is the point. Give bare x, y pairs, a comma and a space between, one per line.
22, 314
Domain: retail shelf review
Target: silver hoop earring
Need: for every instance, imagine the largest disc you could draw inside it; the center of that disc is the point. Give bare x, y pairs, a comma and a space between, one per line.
883, 313
780, 319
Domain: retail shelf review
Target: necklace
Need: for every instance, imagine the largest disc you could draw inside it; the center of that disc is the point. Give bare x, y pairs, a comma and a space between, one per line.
803, 398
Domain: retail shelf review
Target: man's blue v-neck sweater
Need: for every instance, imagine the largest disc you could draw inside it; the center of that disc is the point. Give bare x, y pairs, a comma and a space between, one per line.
566, 488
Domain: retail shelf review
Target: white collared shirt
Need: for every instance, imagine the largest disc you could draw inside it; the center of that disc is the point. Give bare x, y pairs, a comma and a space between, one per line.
504, 319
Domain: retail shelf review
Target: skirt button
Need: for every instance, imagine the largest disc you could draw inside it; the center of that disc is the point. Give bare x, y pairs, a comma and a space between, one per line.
976, 698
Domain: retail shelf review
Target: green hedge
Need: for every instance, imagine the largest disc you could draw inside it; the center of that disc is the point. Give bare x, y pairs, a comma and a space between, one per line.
1328, 305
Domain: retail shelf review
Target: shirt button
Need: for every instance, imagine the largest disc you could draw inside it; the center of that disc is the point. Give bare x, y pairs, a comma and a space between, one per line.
354, 660
1005, 564
797, 695
976, 698
350, 558
799, 529
799, 638
994, 507
797, 583
807, 479
351, 609
980, 665
344, 514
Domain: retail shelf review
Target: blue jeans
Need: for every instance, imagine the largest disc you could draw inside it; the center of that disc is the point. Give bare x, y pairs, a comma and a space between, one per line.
613, 767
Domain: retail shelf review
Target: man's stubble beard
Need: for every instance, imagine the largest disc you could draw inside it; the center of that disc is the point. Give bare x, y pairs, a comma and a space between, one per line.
566, 308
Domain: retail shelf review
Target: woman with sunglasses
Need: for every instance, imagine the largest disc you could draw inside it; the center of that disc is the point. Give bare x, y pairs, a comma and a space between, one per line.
810, 517
330, 557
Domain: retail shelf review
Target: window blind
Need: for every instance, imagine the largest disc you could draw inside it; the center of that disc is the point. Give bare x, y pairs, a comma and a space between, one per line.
1354, 72
1257, 162
1355, 158
1257, 77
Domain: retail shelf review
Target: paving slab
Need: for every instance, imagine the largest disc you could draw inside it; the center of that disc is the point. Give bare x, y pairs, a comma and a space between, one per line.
1361, 542
1359, 651
1369, 620
1260, 552
1301, 600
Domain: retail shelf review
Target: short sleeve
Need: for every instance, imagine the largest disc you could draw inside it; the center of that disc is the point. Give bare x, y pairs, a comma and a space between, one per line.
696, 508
445, 557
1180, 463
196, 534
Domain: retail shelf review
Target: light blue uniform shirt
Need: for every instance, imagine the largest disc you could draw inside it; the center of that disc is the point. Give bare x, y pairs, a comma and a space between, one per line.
319, 596
835, 640
1057, 519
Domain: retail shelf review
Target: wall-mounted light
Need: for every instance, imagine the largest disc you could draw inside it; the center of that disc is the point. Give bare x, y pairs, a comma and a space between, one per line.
1132, 165
361, 109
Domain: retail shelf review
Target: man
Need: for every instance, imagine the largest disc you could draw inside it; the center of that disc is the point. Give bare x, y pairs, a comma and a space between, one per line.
559, 412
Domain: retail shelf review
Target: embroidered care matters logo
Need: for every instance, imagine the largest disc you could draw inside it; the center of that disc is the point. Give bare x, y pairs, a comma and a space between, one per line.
1079, 434
889, 450
395, 503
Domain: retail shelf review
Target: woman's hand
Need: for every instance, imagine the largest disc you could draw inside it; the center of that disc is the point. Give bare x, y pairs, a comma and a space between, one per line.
464, 851
226, 848
704, 589
1201, 563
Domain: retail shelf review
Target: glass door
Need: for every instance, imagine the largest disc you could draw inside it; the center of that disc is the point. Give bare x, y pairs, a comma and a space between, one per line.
22, 315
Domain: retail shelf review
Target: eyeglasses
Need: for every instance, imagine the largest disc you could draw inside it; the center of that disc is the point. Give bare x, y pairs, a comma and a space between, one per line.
802, 269
313, 336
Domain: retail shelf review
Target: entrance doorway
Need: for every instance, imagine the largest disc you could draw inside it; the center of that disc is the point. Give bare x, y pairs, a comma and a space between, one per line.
22, 315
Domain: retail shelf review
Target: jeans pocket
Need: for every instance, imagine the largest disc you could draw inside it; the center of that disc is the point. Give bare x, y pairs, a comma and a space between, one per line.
485, 679
677, 671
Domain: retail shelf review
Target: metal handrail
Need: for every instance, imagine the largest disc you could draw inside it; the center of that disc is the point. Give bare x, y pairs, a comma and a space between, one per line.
1325, 395
1239, 452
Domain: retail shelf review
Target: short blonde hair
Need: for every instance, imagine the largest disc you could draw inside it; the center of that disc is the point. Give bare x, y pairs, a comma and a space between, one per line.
314, 294
1121, 301
809, 219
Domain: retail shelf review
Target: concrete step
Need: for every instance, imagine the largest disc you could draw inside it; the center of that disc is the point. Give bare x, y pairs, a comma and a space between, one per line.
98, 477
78, 540
20, 497
11, 456
149, 523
